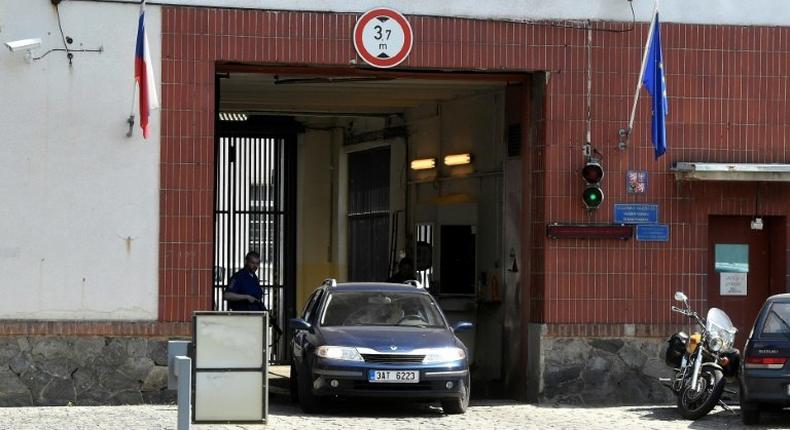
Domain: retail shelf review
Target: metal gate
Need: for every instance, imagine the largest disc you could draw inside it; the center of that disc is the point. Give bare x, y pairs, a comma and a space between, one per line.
253, 212
369, 214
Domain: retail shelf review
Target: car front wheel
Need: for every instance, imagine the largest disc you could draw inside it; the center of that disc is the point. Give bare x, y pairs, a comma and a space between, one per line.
458, 405
293, 385
308, 401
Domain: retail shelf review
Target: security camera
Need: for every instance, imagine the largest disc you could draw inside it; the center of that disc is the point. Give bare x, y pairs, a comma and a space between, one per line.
757, 223
23, 45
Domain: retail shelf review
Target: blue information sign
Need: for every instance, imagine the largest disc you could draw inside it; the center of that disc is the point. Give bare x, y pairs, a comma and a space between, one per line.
652, 232
635, 213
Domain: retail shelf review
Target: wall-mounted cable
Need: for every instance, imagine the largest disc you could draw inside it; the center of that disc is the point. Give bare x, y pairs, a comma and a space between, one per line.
69, 52
66, 40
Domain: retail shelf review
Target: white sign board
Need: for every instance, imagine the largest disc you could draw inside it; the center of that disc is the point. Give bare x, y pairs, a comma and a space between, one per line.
732, 284
224, 396
383, 37
229, 341
230, 369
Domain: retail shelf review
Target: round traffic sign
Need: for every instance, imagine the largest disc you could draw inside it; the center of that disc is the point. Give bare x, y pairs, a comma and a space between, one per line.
383, 37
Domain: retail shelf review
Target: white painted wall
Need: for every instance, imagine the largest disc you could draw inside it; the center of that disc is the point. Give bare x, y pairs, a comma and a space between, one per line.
73, 187
736, 12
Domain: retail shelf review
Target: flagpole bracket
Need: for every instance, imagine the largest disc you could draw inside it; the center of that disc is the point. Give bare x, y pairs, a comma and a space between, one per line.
625, 135
130, 121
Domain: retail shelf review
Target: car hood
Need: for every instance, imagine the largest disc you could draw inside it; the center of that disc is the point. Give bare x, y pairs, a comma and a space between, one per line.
383, 339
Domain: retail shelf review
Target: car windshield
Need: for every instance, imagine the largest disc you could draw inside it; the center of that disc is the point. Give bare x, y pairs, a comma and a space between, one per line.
778, 320
381, 309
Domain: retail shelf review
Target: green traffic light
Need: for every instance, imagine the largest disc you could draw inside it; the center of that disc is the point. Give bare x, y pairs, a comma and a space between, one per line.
592, 197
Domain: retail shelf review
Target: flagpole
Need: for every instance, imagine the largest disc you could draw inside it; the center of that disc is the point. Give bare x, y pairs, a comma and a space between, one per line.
626, 134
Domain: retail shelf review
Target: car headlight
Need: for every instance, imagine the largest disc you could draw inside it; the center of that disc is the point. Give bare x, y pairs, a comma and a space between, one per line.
716, 343
338, 353
443, 355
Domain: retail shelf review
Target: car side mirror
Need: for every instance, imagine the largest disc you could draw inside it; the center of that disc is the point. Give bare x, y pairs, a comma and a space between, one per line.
298, 324
679, 296
461, 326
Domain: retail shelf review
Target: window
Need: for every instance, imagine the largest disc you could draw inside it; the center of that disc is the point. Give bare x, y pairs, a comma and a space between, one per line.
381, 309
732, 257
778, 320
311, 303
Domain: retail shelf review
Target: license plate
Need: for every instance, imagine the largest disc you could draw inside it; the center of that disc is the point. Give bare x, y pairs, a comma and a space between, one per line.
396, 376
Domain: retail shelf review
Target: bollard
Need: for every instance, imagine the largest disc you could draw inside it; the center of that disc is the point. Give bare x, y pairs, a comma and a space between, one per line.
183, 372
174, 349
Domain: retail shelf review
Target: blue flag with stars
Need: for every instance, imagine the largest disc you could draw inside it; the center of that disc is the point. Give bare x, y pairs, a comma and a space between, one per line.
656, 85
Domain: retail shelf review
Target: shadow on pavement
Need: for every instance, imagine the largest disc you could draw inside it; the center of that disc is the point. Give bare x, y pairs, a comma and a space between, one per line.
363, 408
717, 419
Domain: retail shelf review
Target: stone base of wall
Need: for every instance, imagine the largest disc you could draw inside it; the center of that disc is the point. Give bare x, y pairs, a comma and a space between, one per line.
91, 370
602, 371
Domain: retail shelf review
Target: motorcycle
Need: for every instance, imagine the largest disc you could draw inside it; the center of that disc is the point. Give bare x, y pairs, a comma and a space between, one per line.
703, 362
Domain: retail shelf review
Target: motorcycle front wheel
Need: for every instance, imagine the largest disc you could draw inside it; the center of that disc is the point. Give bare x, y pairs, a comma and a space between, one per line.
696, 404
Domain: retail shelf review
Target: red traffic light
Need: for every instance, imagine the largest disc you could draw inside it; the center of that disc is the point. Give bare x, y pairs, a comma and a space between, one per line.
592, 173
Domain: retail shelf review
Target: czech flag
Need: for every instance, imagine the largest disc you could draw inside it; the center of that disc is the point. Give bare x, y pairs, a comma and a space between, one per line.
144, 74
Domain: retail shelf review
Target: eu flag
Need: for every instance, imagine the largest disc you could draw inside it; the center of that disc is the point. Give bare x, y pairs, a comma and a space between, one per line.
656, 85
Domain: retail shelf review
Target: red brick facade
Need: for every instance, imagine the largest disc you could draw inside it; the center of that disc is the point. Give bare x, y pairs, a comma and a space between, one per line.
728, 91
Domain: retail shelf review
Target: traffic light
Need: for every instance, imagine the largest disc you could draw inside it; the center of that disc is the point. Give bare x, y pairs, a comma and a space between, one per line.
592, 195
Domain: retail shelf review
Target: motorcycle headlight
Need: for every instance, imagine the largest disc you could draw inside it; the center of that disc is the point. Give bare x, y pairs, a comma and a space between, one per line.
443, 355
339, 353
716, 344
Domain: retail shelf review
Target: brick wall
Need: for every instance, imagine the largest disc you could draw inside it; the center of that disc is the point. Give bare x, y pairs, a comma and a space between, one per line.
727, 102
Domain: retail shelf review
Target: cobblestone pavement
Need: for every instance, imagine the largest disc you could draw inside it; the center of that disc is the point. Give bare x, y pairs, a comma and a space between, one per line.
482, 415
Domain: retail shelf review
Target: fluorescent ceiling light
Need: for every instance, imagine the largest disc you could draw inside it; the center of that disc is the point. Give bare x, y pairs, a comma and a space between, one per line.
458, 159
232, 116
423, 164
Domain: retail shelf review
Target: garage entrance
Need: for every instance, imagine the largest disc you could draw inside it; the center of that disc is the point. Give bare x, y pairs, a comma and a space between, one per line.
390, 165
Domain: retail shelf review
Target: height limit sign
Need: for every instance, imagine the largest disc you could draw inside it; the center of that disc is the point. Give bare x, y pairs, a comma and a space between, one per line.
383, 37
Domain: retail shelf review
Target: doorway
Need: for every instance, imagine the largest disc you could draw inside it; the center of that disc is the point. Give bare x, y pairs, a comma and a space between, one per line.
369, 214
253, 211
743, 268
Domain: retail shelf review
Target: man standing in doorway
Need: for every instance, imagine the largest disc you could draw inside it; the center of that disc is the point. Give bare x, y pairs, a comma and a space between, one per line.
244, 290
405, 271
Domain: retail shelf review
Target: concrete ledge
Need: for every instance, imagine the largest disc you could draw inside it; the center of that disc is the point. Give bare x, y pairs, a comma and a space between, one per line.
659, 330
94, 328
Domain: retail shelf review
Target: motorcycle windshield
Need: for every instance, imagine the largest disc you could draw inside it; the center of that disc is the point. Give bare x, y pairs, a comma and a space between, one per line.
718, 321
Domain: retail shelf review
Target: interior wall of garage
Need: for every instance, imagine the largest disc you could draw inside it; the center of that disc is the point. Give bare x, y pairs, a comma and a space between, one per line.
464, 194
470, 195
80, 200
470, 124
316, 196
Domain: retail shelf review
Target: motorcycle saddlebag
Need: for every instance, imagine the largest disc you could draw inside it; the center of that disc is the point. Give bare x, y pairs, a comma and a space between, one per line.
676, 348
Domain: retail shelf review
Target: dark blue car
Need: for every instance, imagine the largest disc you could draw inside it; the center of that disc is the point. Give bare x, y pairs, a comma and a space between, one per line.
765, 373
377, 340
